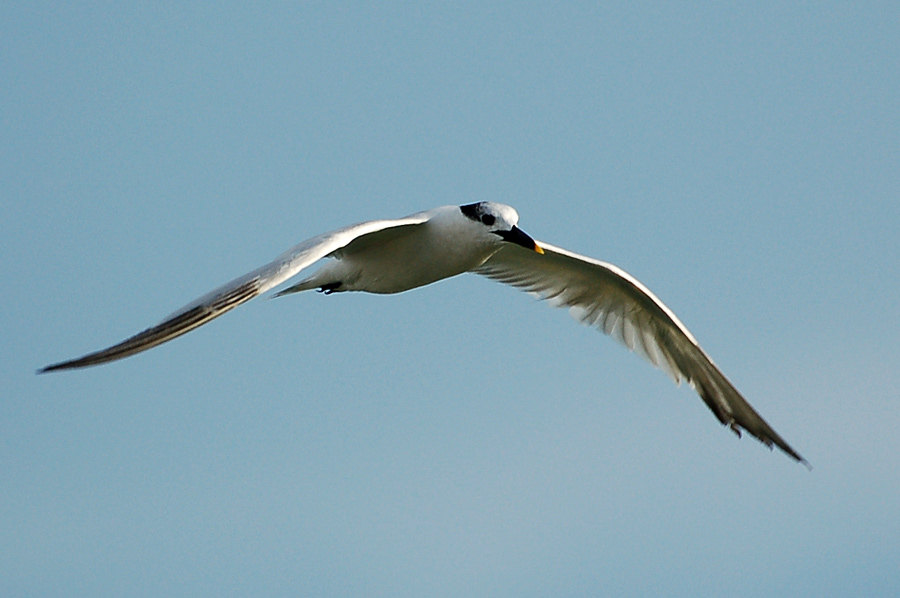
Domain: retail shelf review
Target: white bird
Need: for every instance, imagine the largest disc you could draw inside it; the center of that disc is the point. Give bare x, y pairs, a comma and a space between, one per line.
391, 256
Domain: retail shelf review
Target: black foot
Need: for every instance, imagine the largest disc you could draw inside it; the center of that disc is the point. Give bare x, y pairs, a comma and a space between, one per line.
330, 288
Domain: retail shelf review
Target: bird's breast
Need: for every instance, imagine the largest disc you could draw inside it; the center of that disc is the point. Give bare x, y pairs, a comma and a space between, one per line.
410, 261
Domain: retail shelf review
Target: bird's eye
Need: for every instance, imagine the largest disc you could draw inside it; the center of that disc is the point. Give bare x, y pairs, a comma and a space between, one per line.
487, 219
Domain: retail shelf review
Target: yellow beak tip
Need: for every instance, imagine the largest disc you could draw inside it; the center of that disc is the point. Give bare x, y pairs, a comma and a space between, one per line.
539, 249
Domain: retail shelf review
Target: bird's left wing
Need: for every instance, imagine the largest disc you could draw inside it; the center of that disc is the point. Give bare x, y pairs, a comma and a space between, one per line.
238, 291
608, 298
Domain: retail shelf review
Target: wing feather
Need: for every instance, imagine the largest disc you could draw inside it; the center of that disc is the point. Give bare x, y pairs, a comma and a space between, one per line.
238, 291
607, 298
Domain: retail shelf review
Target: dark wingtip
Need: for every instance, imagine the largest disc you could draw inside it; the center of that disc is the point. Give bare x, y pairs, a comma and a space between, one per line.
771, 441
790, 452
54, 367
793, 455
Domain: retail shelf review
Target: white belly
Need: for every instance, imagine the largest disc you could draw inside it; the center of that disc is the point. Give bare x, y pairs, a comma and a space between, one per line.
393, 265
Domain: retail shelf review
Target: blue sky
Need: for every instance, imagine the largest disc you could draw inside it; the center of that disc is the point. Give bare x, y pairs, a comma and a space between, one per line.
461, 439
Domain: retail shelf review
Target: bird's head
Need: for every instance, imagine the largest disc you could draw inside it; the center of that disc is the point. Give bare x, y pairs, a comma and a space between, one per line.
500, 220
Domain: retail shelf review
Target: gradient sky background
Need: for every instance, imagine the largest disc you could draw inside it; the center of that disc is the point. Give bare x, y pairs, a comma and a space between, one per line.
742, 160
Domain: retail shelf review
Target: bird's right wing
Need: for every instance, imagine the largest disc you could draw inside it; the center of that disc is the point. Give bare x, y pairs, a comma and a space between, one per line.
608, 298
239, 290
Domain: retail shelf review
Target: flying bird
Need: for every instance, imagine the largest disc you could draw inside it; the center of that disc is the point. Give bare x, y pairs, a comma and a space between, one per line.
391, 256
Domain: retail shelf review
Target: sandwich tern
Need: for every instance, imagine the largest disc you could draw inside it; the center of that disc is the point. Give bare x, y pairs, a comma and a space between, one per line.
391, 256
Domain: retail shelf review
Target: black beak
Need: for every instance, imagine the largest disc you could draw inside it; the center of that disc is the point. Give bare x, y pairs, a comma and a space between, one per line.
515, 235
